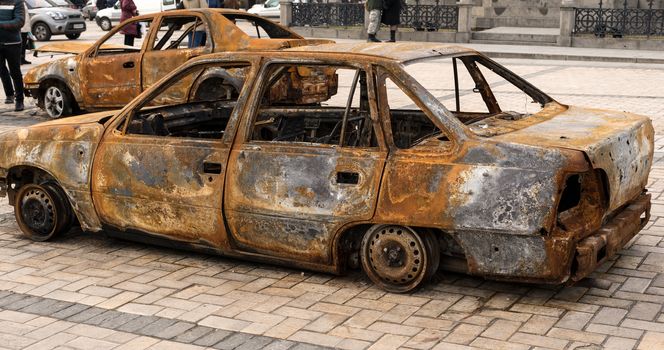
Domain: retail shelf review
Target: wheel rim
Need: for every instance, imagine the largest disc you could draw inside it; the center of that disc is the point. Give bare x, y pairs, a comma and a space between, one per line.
38, 211
54, 101
40, 32
395, 257
105, 24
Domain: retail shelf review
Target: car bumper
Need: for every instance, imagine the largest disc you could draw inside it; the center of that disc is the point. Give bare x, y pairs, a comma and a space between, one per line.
594, 250
69, 27
554, 258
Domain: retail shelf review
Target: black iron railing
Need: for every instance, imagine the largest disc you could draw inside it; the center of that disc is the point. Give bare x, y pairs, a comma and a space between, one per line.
619, 22
328, 14
429, 17
416, 16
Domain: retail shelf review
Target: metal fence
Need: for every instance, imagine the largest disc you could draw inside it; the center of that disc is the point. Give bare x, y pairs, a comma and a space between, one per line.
429, 17
619, 22
416, 16
328, 14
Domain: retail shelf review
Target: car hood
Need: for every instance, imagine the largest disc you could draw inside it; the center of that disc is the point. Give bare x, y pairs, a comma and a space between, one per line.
619, 143
98, 117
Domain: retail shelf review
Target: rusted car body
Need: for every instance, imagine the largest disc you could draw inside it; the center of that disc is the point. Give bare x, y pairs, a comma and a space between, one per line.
543, 197
107, 75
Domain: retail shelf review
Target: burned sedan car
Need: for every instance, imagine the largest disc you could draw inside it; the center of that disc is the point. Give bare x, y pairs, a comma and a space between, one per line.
398, 158
108, 74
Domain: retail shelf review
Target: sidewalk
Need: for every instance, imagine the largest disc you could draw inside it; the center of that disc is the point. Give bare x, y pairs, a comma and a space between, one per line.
561, 53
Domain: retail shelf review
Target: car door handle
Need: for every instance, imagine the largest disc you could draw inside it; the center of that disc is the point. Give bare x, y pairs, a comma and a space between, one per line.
211, 168
129, 64
346, 177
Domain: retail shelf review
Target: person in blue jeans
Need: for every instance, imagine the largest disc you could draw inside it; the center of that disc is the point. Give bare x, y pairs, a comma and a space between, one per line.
198, 36
12, 16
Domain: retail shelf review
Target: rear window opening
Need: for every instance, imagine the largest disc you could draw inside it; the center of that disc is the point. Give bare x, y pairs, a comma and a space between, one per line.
478, 92
259, 27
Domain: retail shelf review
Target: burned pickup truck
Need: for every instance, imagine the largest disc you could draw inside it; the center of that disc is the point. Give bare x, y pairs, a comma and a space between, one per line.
401, 158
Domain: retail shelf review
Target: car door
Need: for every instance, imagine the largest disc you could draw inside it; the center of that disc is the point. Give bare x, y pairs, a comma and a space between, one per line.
160, 171
293, 180
111, 72
171, 47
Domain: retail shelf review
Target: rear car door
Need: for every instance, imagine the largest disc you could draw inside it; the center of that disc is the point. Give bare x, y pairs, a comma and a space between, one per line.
172, 46
309, 161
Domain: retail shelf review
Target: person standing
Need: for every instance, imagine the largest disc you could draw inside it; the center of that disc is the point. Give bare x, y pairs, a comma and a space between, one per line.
130, 32
25, 30
101, 4
375, 8
198, 36
12, 17
391, 17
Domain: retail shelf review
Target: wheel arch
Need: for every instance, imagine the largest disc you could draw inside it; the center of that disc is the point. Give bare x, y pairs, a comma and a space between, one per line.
44, 22
26, 173
52, 78
347, 243
215, 74
21, 174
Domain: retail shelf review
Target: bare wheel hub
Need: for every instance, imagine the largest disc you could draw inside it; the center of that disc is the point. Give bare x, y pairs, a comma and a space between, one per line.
37, 211
396, 255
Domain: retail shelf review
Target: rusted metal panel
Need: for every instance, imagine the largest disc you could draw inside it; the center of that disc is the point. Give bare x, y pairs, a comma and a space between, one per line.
621, 144
65, 151
286, 201
449, 189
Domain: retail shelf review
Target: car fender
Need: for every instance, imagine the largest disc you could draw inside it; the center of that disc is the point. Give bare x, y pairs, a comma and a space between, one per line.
65, 151
64, 70
42, 18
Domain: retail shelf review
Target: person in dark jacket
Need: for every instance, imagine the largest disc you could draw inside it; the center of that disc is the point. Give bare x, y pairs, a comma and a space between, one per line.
375, 8
391, 14
12, 16
130, 31
101, 4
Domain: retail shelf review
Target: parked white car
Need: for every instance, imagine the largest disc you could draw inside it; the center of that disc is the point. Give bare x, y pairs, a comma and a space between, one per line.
109, 17
269, 8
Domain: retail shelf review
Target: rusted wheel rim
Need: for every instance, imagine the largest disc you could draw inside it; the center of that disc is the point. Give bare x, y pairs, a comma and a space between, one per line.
37, 212
395, 257
54, 101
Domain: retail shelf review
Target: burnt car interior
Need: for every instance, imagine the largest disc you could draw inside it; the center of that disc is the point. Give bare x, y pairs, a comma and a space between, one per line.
204, 113
410, 125
315, 104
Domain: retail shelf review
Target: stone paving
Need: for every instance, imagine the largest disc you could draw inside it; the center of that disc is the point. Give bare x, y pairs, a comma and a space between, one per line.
87, 291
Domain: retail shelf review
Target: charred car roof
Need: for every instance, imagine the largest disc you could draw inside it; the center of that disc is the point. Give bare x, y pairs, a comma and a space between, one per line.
401, 52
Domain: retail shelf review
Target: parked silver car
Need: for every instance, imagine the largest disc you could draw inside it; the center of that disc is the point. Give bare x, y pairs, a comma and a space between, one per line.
53, 17
90, 10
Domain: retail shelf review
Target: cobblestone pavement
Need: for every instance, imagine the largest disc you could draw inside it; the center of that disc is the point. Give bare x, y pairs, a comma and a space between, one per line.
87, 291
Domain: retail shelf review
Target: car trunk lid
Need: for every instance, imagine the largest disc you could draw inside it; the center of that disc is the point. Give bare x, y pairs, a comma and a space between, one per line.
619, 143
